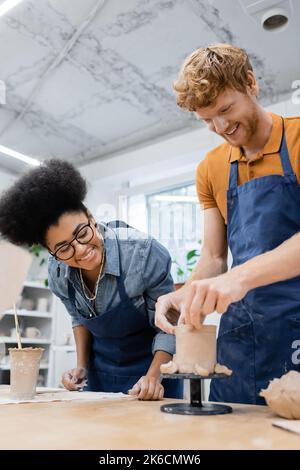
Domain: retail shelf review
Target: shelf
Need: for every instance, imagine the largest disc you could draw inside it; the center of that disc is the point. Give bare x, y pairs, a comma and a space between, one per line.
29, 313
9, 339
7, 366
37, 284
64, 347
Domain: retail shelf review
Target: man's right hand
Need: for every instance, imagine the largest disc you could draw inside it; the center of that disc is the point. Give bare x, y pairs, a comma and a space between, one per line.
75, 379
168, 309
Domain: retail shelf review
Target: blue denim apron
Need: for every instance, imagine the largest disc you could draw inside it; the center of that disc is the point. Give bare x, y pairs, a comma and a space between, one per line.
257, 335
121, 346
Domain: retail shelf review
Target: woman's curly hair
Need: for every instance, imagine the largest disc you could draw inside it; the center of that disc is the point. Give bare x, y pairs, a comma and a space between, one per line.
38, 199
209, 71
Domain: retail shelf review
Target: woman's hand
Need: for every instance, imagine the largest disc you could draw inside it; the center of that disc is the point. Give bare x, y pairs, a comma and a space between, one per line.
147, 388
75, 379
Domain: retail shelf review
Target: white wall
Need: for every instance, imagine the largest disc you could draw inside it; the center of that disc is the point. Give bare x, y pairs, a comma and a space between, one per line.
6, 180
164, 164
147, 169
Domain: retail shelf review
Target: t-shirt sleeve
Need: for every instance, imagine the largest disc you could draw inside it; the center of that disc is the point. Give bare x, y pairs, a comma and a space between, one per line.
204, 188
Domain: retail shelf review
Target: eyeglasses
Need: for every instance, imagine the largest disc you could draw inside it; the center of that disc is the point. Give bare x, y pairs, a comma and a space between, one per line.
67, 250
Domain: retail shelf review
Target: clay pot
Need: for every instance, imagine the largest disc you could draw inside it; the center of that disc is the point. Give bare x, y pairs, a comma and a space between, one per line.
195, 347
24, 368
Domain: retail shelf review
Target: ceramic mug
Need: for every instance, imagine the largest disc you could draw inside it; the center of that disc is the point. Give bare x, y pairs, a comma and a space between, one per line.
27, 304
32, 332
13, 332
42, 304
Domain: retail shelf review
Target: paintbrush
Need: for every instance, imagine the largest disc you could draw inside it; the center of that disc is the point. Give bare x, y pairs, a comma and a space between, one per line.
17, 328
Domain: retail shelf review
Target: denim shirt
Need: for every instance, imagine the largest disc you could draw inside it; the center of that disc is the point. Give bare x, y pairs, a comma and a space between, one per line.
146, 272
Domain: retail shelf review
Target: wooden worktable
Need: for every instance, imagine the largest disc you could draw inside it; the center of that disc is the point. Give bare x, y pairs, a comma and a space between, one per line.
132, 424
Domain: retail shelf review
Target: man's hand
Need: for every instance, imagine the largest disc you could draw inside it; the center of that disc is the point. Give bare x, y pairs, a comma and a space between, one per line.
209, 295
147, 388
167, 310
75, 379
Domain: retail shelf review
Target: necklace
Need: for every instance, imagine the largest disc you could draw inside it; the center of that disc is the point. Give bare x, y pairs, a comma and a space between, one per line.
86, 290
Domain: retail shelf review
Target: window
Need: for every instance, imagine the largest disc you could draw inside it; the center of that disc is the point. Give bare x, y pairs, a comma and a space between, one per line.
174, 218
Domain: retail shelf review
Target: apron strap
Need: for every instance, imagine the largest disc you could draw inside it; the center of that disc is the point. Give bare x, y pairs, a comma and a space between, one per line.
233, 176
284, 157
71, 292
120, 280
285, 162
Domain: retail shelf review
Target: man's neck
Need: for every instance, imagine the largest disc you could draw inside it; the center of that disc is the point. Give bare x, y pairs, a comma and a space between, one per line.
261, 137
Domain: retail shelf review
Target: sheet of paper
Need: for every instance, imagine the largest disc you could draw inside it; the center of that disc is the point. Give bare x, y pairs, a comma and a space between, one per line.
47, 395
292, 425
14, 265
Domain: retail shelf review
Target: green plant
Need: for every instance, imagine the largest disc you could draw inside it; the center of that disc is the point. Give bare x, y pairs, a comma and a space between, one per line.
191, 258
40, 252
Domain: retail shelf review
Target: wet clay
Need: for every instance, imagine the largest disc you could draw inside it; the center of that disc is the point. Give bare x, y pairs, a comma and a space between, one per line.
24, 368
283, 395
195, 348
219, 369
195, 352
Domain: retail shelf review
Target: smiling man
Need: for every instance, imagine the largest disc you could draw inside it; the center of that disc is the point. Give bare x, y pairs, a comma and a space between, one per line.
249, 190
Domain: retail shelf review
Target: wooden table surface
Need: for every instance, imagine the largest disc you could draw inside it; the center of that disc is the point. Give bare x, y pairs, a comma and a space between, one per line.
131, 424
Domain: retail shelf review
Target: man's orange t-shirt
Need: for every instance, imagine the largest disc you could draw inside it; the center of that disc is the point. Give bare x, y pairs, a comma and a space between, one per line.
213, 171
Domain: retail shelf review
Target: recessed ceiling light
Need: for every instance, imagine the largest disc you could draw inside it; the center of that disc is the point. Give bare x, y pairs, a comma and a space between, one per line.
275, 19
19, 156
271, 15
8, 5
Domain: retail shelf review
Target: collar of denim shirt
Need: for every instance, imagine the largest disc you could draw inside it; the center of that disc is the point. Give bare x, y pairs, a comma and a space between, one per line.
112, 262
